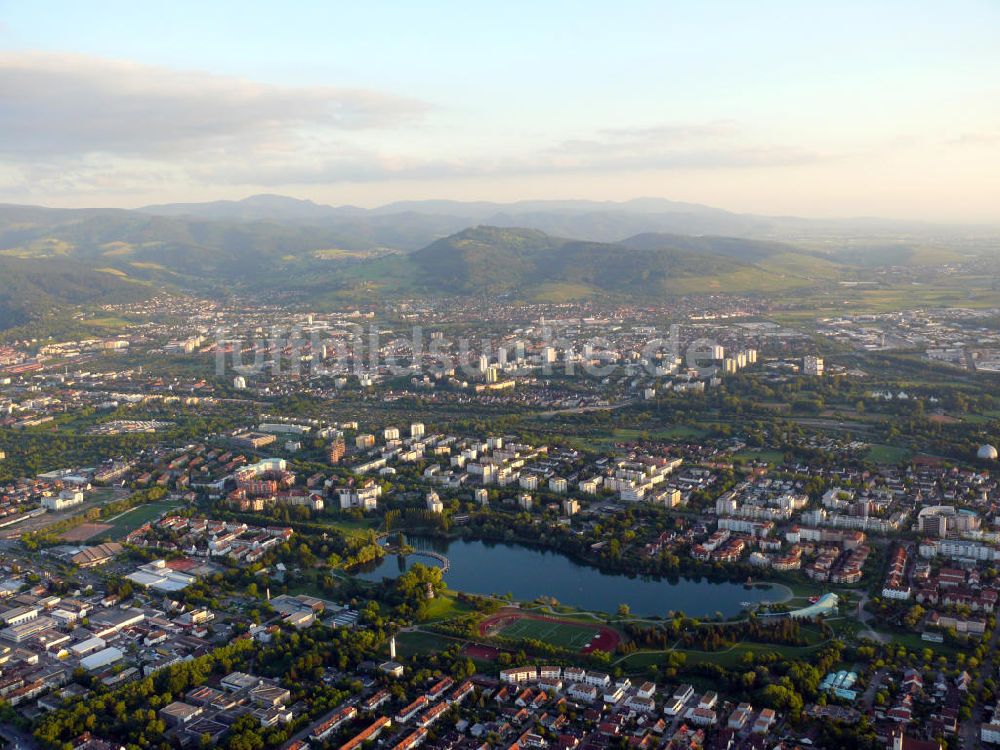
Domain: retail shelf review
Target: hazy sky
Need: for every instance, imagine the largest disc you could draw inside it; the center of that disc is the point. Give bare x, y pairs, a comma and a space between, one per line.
784, 107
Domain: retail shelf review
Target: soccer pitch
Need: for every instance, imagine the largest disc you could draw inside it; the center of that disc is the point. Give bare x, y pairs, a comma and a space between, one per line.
564, 635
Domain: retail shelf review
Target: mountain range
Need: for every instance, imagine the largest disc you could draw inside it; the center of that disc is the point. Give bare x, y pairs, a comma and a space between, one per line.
556, 249
602, 221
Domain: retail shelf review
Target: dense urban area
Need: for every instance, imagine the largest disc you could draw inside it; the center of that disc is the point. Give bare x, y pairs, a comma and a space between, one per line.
468, 523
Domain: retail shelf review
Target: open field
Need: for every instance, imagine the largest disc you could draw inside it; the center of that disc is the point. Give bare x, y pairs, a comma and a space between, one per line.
416, 642
84, 531
731, 658
887, 454
974, 293
667, 433
568, 634
604, 440
125, 523
768, 456
413, 642
350, 526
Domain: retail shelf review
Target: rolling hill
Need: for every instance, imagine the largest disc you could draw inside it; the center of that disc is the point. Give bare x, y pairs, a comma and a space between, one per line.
30, 288
496, 259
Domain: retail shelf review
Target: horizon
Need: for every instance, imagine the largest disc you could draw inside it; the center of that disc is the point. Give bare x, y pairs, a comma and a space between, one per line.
930, 223
776, 109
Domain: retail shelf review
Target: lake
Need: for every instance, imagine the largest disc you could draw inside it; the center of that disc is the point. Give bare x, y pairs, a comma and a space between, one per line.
501, 568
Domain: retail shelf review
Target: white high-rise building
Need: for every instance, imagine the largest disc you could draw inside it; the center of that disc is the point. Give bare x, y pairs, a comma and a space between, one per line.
417, 430
434, 504
812, 365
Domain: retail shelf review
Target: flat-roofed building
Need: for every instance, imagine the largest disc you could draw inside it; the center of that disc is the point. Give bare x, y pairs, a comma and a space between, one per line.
178, 714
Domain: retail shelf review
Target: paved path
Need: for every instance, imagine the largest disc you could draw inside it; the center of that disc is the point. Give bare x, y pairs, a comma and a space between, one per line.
865, 617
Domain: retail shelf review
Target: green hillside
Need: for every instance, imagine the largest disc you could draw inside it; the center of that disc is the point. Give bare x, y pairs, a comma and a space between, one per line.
531, 263
322, 254
31, 288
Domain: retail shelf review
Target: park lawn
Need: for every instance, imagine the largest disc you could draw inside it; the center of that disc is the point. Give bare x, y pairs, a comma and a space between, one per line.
813, 635
915, 644
127, 522
733, 658
845, 628
445, 606
802, 591
411, 643
350, 526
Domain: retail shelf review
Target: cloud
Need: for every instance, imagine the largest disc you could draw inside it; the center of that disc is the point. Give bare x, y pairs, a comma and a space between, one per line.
76, 124
710, 145
674, 131
663, 147
74, 105
984, 138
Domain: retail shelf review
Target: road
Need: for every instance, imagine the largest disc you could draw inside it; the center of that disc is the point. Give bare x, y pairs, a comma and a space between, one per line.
304, 733
968, 731
15, 739
865, 617
40, 523
868, 697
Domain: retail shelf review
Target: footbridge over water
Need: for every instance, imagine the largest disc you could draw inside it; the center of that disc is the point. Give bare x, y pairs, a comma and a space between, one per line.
445, 563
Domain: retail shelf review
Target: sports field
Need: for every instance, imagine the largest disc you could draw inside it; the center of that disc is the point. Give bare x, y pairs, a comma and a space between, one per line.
568, 634
84, 531
125, 523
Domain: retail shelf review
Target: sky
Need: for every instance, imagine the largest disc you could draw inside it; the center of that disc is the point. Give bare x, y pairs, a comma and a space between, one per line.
782, 107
